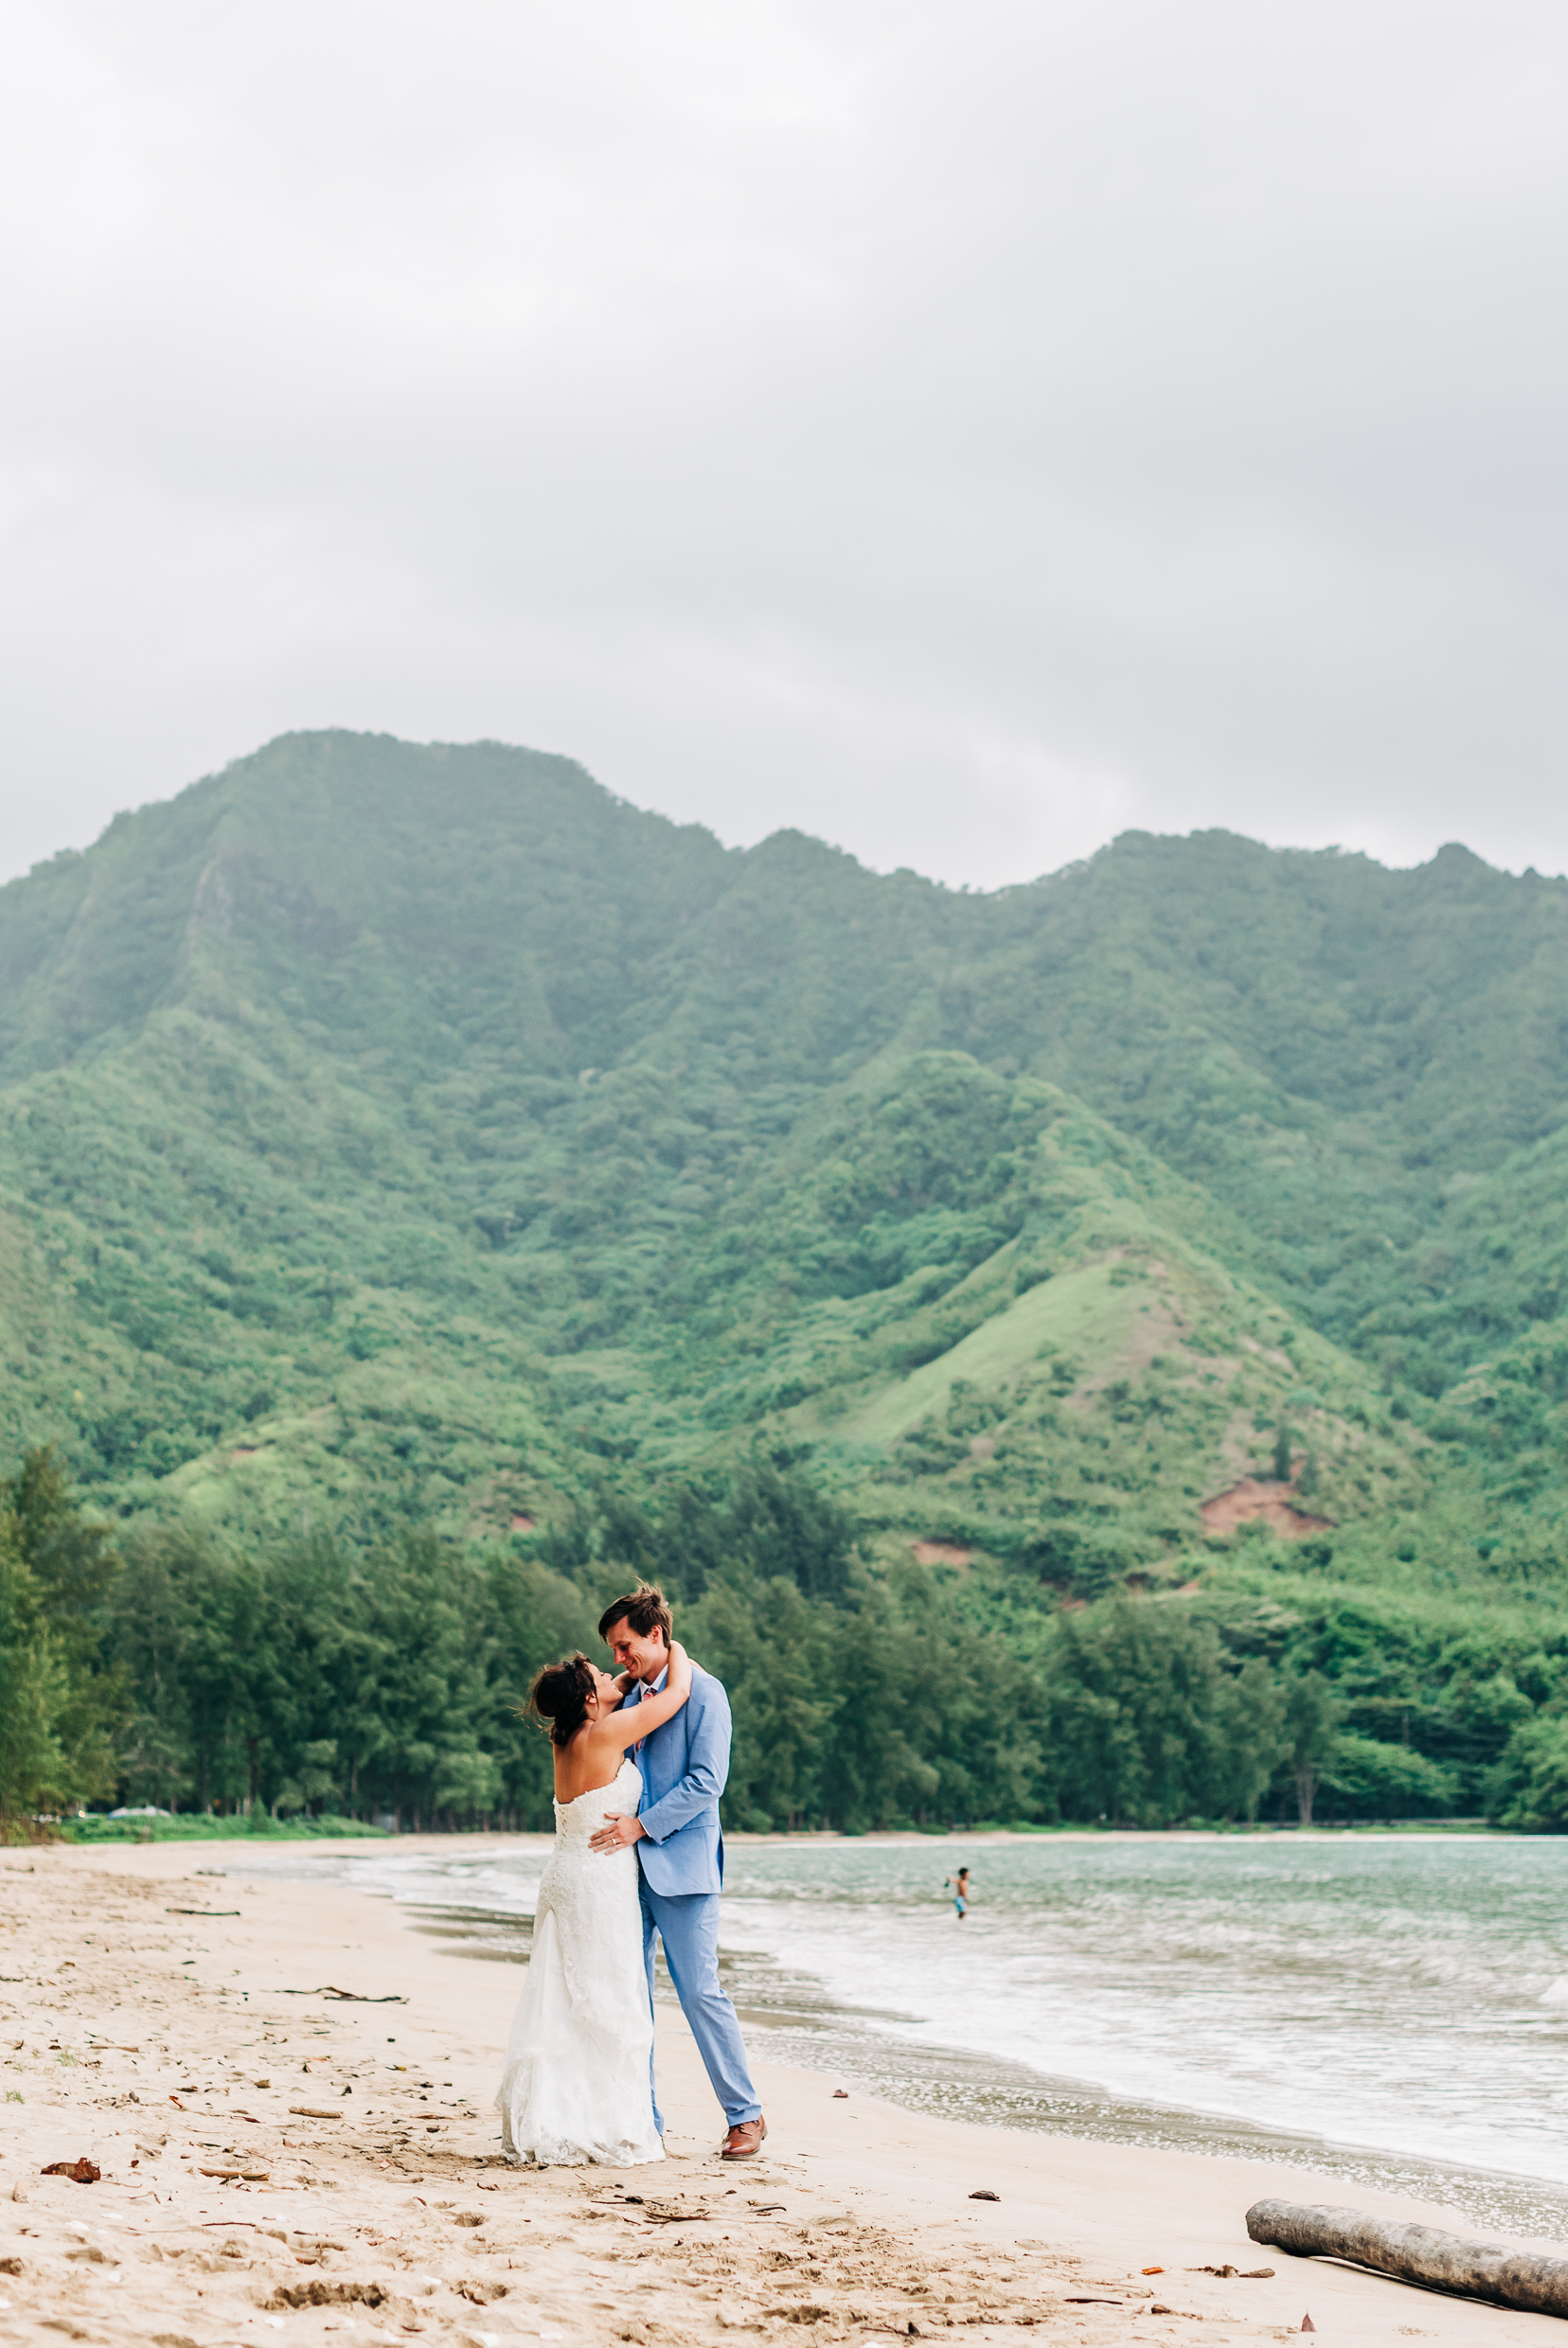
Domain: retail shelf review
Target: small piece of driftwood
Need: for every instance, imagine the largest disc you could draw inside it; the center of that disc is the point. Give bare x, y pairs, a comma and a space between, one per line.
1444, 2262
349, 1997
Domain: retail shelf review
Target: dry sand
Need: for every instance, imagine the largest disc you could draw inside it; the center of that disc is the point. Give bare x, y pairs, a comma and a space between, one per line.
162, 2045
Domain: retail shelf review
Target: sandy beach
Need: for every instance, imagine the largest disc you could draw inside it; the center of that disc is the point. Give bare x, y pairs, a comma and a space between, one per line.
280, 2161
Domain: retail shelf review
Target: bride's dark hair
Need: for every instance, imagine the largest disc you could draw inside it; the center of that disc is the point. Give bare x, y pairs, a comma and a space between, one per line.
558, 1698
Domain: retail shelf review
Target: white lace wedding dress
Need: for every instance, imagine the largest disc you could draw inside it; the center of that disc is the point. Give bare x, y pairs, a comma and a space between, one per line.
576, 2085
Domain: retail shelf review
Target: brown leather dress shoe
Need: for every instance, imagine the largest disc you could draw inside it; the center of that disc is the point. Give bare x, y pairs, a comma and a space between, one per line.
744, 2139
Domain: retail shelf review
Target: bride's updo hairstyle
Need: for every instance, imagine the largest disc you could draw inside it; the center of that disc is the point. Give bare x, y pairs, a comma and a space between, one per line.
558, 1698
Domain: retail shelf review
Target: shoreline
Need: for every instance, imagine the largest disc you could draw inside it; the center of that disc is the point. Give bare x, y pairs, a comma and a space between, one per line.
377, 1838
144, 1998
935, 2075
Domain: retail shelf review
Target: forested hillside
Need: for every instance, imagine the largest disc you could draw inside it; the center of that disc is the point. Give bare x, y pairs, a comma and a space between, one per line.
428, 1180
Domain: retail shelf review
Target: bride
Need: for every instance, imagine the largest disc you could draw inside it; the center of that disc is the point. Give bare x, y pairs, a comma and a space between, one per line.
576, 2083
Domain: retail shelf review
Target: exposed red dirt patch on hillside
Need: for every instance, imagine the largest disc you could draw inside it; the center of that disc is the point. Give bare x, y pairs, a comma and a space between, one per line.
1274, 1502
941, 1553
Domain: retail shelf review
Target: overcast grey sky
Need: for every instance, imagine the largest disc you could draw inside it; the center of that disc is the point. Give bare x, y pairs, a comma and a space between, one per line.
961, 430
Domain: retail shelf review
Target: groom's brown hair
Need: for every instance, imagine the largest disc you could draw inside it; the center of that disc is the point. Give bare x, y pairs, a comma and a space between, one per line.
645, 1610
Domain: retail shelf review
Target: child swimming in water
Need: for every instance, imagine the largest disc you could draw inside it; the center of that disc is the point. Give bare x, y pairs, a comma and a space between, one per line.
960, 1886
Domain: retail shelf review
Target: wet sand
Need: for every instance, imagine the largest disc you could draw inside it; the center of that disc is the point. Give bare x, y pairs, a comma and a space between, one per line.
367, 2198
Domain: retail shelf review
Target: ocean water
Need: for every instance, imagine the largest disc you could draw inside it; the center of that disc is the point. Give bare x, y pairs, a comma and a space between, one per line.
1392, 2008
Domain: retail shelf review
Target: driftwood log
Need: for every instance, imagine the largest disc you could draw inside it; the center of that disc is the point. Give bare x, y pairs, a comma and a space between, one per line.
1444, 2262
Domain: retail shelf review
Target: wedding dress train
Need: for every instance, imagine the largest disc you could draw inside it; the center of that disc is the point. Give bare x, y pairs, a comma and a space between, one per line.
576, 2085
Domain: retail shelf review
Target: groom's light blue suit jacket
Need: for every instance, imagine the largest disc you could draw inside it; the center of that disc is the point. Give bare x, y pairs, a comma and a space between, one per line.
683, 1767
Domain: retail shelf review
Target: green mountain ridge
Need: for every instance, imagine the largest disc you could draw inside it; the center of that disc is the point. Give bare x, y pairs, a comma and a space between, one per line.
399, 1135
310, 1249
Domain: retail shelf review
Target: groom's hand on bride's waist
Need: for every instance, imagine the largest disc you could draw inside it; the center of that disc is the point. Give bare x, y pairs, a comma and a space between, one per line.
618, 1833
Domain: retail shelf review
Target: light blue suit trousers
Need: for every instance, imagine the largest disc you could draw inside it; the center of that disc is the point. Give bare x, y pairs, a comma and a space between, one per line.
684, 1767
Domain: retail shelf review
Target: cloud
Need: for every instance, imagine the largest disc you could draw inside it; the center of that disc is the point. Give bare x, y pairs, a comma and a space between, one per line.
960, 433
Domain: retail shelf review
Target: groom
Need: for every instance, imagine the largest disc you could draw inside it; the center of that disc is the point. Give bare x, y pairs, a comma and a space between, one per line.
682, 1853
